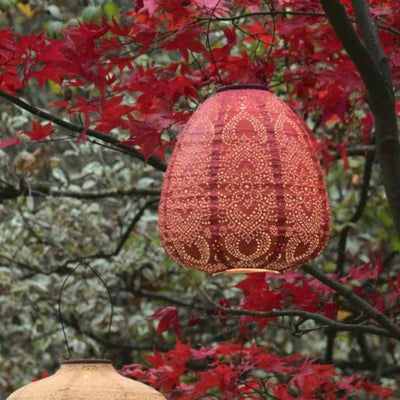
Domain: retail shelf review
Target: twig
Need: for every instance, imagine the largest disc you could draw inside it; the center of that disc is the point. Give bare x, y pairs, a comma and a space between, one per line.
289, 12
357, 214
299, 313
153, 161
128, 230
64, 269
353, 299
41, 190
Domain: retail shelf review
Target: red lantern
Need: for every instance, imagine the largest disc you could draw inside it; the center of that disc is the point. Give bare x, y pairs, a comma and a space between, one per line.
244, 190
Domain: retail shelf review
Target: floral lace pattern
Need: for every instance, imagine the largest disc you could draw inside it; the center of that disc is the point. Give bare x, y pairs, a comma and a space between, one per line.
244, 189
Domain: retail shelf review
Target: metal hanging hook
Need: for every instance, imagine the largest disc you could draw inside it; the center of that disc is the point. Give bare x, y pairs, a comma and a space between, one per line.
83, 263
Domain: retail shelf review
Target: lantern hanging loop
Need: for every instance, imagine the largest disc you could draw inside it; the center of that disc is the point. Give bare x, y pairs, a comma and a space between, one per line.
208, 45
85, 264
271, 7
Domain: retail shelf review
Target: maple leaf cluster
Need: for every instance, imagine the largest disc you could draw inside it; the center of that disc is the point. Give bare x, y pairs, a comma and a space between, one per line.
293, 290
141, 79
230, 370
233, 371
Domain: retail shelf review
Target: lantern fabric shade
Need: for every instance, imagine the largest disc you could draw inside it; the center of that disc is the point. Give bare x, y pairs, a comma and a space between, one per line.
86, 380
244, 190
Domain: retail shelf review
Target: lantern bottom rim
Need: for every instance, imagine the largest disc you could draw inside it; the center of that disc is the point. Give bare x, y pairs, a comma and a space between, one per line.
247, 271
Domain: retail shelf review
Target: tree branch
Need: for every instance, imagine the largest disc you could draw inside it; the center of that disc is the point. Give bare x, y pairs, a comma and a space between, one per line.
128, 230
64, 269
340, 326
356, 49
379, 88
357, 214
354, 151
33, 268
42, 189
289, 12
342, 244
353, 299
125, 236
74, 324
173, 299
370, 36
153, 161
389, 371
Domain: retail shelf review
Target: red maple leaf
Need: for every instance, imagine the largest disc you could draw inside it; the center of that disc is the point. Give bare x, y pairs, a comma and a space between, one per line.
39, 132
9, 142
169, 319
258, 294
187, 40
365, 271
377, 390
44, 375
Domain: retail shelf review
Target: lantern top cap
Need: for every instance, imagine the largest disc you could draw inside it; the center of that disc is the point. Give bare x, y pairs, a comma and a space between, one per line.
242, 86
87, 361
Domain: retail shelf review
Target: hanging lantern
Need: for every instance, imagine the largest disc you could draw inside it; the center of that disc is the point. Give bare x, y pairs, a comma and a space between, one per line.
244, 190
86, 380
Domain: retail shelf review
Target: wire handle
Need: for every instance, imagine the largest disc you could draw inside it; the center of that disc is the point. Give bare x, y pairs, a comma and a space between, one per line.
83, 263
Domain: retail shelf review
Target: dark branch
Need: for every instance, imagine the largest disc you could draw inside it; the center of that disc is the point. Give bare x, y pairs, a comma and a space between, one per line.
370, 36
360, 55
173, 299
42, 189
356, 301
33, 268
379, 88
153, 161
342, 244
74, 324
125, 236
354, 151
339, 326
357, 214
64, 268
289, 12
136, 218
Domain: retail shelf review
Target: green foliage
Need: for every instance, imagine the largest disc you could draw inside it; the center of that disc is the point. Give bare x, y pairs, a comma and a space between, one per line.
47, 228
6, 4
111, 11
92, 14
53, 30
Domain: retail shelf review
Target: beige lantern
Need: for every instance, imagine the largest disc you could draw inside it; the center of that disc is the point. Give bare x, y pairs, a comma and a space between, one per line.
86, 380
93, 379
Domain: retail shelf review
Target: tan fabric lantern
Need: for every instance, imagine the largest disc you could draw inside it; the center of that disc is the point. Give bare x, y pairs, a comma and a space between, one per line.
244, 190
86, 380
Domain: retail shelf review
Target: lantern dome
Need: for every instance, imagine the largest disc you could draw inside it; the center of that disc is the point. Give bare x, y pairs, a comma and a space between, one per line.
244, 190
86, 380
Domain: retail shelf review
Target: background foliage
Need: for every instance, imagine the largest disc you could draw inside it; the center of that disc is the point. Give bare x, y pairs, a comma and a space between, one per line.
135, 73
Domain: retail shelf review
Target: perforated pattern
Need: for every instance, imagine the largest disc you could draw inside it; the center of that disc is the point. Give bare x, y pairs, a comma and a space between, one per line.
244, 188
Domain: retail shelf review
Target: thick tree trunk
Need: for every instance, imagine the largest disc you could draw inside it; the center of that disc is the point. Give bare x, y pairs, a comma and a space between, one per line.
371, 62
